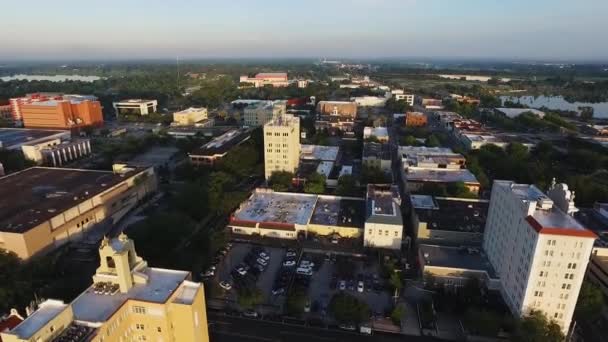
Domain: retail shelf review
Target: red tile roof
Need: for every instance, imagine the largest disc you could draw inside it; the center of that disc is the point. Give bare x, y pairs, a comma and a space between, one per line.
574, 231
9, 323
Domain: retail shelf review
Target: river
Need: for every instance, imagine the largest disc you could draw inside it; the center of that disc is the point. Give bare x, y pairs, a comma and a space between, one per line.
600, 109
52, 78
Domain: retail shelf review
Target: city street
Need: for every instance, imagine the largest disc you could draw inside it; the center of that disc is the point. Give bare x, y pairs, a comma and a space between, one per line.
223, 328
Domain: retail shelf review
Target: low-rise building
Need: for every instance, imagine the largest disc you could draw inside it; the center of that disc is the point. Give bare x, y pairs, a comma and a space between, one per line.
596, 129
370, 101
334, 124
57, 152
475, 141
337, 108
135, 107
43, 208
417, 178
423, 157
274, 79
260, 113
453, 267
216, 149
400, 95
380, 133
428, 103
377, 155
15, 138
415, 119
190, 116
290, 215
67, 112
128, 301
383, 223
448, 221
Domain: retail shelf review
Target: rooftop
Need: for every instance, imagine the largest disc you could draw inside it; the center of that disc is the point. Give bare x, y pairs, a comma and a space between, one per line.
46, 312
317, 152
272, 75
287, 120
375, 131
457, 258
383, 204
161, 284
420, 156
34, 195
451, 214
187, 292
11, 138
192, 110
134, 101
336, 211
277, 207
376, 150
223, 143
440, 175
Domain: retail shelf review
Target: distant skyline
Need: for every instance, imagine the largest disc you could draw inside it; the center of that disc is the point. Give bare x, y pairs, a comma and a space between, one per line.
154, 29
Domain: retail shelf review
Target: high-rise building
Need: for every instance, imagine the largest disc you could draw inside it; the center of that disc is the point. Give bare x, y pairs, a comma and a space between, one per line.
537, 248
128, 301
261, 112
282, 144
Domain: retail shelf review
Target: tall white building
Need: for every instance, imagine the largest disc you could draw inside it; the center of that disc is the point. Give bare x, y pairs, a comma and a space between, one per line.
260, 112
383, 222
281, 144
539, 251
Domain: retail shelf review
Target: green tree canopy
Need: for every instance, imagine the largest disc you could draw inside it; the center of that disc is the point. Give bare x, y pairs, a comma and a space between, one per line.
347, 186
432, 141
347, 308
249, 297
536, 327
280, 180
590, 302
315, 184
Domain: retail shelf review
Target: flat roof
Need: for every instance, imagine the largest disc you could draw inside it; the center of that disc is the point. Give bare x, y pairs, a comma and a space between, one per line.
97, 308
191, 110
457, 258
384, 204
46, 312
377, 150
223, 143
155, 156
376, 131
451, 214
318, 152
187, 292
134, 101
277, 207
34, 195
336, 211
325, 168
440, 175
11, 138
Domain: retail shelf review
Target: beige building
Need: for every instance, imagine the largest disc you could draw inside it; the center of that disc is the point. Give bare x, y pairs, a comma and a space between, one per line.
261, 112
43, 208
55, 152
190, 116
282, 144
128, 301
274, 79
135, 107
337, 108
383, 223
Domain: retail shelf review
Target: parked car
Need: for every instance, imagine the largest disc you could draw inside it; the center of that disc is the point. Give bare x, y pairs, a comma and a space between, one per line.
342, 285
289, 263
307, 306
278, 291
225, 285
306, 263
334, 241
250, 313
242, 270
264, 256
290, 254
360, 287
262, 262
349, 327
304, 271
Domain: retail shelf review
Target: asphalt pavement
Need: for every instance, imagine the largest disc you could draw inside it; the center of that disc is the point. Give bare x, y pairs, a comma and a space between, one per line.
223, 328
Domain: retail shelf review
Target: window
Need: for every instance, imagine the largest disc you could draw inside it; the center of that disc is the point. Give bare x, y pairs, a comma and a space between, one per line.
139, 310
159, 329
139, 326
568, 287
370, 231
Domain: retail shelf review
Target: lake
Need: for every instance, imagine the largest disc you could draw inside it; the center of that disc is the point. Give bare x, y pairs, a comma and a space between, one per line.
558, 102
52, 78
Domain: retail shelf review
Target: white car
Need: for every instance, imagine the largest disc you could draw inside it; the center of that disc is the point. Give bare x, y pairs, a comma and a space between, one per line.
342, 285
242, 270
289, 263
360, 287
304, 271
262, 262
306, 263
250, 313
264, 256
348, 327
290, 254
226, 285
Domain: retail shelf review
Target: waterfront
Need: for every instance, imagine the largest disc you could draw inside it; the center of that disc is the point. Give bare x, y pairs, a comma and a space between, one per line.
558, 102
52, 78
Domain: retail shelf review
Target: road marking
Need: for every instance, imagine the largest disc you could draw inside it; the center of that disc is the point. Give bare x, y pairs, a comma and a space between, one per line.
306, 335
253, 337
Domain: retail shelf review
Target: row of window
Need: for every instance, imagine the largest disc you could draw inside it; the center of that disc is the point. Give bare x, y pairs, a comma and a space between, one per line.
371, 232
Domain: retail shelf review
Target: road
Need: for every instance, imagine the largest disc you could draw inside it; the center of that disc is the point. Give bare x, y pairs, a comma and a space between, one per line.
224, 328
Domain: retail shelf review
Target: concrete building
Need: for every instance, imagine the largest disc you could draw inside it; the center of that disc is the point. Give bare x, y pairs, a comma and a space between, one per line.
474, 141
415, 119
337, 108
376, 155
135, 107
380, 133
448, 221
538, 249
400, 95
56, 152
383, 223
128, 301
289, 215
69, 112
190, 116
370, 101
281, 144
423, 157
417, 178
16, 102
261, 112
216, 149
15, 138
43, 208
274, 79
431, 103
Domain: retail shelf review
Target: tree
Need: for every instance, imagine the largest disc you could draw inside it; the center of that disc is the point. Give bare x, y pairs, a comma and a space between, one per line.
395, 281
248, 297
535, 327
347, 186
397, 314
192, 200
409, 140
432, 141
280, 180
590, 302
373, 175
348, 309
296, 300
315, 184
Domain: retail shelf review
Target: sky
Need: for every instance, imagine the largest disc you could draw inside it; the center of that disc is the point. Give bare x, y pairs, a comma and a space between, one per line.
134, 29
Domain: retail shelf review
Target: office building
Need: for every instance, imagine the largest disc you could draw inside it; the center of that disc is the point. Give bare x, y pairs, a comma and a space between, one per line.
42, 208
216, 149
281, 144
57, 152
377, 155
68, 112
400, 95
415, 119
16, 102
261, 112
383, 223
380, 133
135, 107
448, 221
538, 249
337, 108
190, 116
274, 79
128, 301
15, 138
285, 215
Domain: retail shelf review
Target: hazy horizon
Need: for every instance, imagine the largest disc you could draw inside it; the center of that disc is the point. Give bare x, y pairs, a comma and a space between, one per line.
357, 29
